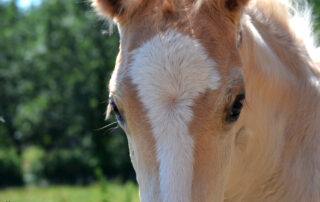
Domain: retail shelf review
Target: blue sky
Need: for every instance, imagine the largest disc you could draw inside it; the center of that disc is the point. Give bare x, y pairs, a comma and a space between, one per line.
26, 3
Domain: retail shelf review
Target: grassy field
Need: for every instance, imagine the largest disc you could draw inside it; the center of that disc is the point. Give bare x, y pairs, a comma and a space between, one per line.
95, 193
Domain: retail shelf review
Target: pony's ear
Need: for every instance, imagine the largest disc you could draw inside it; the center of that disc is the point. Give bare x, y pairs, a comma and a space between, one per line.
115, 8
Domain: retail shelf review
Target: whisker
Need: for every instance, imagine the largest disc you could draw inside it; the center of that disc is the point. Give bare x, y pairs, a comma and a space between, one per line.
104, 127
111, 130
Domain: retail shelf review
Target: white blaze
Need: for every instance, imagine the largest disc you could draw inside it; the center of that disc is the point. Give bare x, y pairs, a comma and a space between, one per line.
170, 71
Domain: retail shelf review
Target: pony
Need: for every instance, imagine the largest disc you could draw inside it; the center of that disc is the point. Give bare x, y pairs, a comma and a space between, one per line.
219, 99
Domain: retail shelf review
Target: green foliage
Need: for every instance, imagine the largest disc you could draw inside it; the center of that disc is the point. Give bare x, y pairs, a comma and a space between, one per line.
103, 184
10, 169
69, 166
33, 166
54, 73
316, 9
130, 192
116, 193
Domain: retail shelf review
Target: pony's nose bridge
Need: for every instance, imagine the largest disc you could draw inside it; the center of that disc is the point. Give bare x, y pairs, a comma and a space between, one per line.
175, 157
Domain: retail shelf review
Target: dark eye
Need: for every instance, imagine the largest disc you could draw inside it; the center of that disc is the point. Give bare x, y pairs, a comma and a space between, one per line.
116, 111
234, 112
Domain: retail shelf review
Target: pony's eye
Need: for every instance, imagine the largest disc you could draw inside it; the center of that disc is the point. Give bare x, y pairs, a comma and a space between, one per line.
116, 111
234, 112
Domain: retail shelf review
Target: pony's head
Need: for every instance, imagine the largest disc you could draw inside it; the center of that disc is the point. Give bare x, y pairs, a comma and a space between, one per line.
177, 91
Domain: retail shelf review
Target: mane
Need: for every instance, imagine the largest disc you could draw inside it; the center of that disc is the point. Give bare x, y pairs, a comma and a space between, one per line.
297, 16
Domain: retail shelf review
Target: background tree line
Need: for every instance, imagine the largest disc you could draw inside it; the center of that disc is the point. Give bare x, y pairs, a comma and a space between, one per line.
54, 66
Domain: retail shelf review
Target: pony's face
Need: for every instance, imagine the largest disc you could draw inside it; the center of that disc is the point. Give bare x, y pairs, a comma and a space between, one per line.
177, 91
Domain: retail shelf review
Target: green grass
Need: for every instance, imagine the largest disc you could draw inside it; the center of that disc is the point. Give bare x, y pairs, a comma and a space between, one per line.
110, 192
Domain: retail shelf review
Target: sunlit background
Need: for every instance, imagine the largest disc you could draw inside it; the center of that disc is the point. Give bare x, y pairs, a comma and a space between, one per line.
56, 57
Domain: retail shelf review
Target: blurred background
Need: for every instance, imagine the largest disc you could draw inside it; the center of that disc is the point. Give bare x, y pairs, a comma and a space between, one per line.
56, 57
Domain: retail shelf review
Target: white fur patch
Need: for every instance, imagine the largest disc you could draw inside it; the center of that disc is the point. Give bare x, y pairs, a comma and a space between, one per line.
170, 71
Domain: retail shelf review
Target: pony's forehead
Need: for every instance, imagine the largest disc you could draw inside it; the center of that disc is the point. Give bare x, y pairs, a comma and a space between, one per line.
177, 57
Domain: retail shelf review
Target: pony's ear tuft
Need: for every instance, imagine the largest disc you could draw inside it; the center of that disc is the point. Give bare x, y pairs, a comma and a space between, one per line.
115, 8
